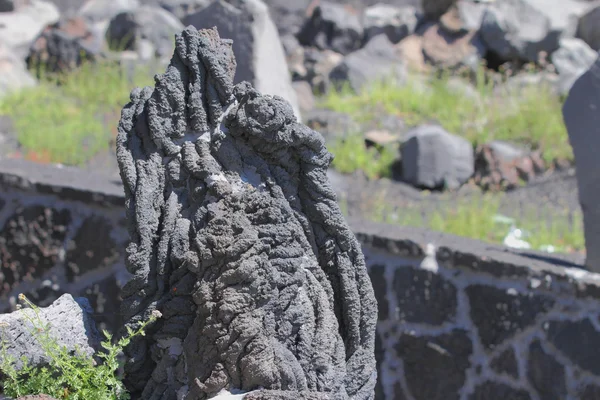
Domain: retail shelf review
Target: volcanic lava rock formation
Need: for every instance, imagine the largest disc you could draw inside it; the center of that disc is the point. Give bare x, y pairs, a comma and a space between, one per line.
237, 239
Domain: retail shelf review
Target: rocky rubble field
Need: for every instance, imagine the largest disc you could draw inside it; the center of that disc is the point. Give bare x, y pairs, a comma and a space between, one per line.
431, 108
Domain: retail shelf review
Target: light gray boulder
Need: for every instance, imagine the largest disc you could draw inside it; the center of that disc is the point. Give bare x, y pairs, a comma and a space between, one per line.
378, 60
516, 30
182, 8
581, 113
572, 59
256, 45
98, 13
19, 28
433, 158
396, 22
69, 322
13, 72
145, 26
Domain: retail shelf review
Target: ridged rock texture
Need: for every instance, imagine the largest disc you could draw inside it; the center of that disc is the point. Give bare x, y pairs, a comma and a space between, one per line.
237, 239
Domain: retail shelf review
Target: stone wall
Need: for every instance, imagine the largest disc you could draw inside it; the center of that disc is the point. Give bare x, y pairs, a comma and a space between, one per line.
458, 319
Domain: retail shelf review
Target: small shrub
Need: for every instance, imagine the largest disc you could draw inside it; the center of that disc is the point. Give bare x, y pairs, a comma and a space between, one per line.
67, 376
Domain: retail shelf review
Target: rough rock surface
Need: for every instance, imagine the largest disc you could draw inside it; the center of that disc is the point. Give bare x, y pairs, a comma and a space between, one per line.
70, 324
572, 59
582, 119
236, 238
396, 22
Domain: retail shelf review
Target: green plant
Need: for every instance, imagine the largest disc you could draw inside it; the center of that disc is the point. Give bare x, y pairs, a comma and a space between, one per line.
68, 118
475, 217
530, 116
67, 376
352, 154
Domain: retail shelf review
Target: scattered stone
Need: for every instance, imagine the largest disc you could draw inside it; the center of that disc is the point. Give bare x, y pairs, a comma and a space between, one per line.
571, 60
102, 11
506, 363
295, 57
146, 25
256, 45
546, 374
434, 9
580, 113
318, 65
450, 51
331, 124
469, 13
424, 297
588, 28
64, 46
242, 247
289, 16
395, 22
500, 165
305, 96
7, 5
433, 158
442, 375
18, 29
183, 8
13, 72
333, 26
69, 322
498, 391
499, 315
577, 340
410, 50
377, 61
515, 30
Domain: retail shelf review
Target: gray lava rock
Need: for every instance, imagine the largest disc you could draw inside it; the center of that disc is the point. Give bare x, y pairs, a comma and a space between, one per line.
64, 46
515, 30
288, 15
69, 322
378, 60
237, 239
433, 158
572, 59
396, 22
256, 44
588, 28
7, 5
150, 24
333, 26
582, 119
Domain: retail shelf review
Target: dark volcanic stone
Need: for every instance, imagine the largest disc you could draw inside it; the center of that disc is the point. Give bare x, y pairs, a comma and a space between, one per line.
506, 363
379, 354
377, 274
579, 341
499, 315
434, 366
498, 391
30, 243
588, 392
92, 248
424, 296
105, 297
546, 374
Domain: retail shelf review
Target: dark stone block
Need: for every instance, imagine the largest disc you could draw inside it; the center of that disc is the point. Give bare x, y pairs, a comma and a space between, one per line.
506, 363
424, 296
30, 243
588, 392
105, 298
92, 248
499, 315
546, 374
377, 273
498, 391
434, 366
379, 353
2, 204
579, 341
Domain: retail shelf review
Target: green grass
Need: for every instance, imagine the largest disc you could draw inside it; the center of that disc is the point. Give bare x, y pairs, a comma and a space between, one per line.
67, 376
532, 118
375, 162
68, 119
476, 218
